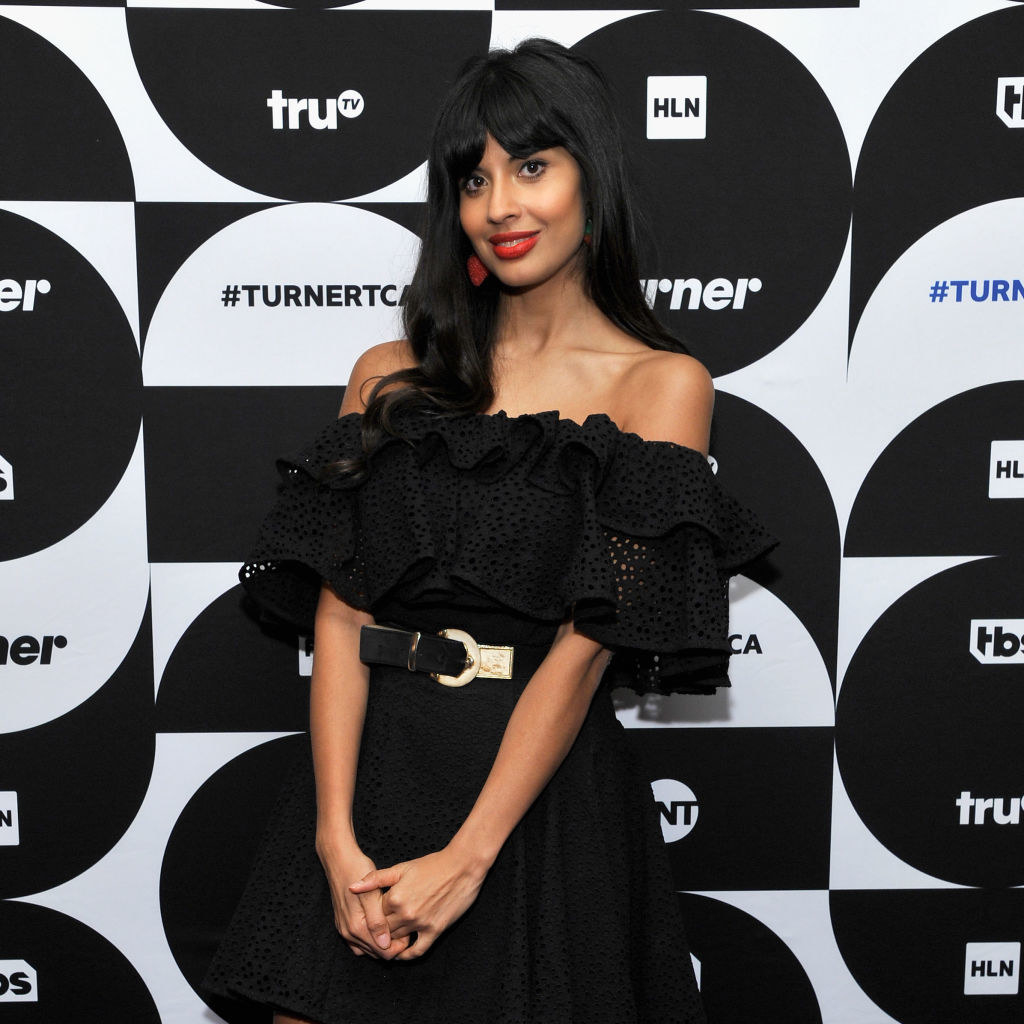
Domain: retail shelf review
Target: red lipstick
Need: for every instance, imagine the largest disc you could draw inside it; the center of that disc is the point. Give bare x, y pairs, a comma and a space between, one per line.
510, 245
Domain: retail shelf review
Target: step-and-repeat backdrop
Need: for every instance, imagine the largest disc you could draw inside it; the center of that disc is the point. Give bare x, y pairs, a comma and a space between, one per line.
208, 211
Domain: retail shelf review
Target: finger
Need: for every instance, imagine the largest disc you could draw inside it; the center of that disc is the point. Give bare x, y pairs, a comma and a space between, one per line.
420, 947
376, 879
376, 924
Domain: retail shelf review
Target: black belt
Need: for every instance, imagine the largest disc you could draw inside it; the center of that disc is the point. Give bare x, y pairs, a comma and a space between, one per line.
451, 656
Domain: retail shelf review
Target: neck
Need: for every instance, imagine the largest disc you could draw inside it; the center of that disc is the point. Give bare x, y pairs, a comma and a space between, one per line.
545, 316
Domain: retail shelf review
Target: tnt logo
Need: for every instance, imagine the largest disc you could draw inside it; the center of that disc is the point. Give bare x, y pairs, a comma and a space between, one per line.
677, 106
992, 969
306, 656
6, 480
1006, 470
998, 643
18, 982
1010, 102
678, 807
348, 104
9, 834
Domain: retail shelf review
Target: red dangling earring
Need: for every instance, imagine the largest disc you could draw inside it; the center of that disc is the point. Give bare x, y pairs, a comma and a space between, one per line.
477, 271
588, 232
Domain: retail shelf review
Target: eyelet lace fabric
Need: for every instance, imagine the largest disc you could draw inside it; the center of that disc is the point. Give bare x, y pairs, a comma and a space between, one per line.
541, 514
500, 525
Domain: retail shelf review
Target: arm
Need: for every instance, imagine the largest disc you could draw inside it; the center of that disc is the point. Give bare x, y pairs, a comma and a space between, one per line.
337, 711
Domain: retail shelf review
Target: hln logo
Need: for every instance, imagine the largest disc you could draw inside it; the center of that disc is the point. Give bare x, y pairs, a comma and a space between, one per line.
998, 642
18, 982
678, 807
992, 969
1006, 469
677, 107
9, 832
1010, 102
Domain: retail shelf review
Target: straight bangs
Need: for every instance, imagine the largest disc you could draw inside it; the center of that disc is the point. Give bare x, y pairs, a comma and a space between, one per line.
509, 108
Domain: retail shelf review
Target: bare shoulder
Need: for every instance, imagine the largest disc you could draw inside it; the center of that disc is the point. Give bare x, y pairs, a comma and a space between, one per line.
670, 397
377, 361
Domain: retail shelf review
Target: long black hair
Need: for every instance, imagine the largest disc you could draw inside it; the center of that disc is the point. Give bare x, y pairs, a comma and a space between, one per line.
535, 96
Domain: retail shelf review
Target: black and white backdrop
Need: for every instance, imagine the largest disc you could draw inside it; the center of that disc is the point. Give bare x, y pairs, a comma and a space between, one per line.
207, 211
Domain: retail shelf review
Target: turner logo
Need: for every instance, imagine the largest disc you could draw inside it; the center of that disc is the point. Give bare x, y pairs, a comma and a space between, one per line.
319, 114
992, 969
677, 106
27, 650
998, 642
15, 295
1010, 102
1006, 470
6, 480
9, 834
718, 293
678, 807
17, 982
1006, 810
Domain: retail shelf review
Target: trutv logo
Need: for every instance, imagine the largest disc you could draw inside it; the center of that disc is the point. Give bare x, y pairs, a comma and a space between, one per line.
319, 114
18, 982
998, 641
677, 107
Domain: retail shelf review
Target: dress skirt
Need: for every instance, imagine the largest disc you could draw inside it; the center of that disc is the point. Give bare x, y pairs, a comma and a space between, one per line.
576, 922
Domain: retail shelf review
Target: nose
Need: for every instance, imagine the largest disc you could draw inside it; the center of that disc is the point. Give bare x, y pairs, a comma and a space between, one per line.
502, 203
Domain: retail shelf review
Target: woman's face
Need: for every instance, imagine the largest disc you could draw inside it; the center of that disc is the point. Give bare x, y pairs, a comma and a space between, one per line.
524, 216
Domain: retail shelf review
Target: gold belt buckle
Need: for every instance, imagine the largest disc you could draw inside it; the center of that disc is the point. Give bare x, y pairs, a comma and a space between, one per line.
492, 661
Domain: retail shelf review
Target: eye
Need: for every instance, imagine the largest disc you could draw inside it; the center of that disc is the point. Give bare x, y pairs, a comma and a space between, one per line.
534, 168
471, 184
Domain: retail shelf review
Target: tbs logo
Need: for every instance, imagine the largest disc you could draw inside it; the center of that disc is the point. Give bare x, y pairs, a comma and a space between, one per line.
998, 642
348, 104
677, 106
18, 982
678, 806
1010, 102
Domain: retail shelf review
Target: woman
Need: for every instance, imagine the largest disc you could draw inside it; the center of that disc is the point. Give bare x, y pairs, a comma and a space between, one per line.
485, 851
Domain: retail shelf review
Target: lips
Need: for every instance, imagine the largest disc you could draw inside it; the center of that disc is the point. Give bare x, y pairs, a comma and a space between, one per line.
510, 245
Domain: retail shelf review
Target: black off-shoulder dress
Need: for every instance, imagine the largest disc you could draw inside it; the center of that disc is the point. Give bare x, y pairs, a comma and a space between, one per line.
501, 526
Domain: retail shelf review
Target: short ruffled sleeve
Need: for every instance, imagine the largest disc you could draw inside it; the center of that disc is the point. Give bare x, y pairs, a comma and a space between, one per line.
308, 534
670, 539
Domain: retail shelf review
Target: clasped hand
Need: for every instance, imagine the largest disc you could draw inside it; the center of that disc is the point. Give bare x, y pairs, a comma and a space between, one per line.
425, 895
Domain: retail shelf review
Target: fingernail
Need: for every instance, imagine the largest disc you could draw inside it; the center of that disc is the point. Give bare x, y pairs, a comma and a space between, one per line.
383, 941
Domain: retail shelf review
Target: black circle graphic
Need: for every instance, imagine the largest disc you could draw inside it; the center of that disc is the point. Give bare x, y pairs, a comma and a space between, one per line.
304, 105
913, 174
924, 726
763, 199
72, 387
928, 492
747, 972
256, 668
79, 975
908, 950
81, 778
57, 149
208, 857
